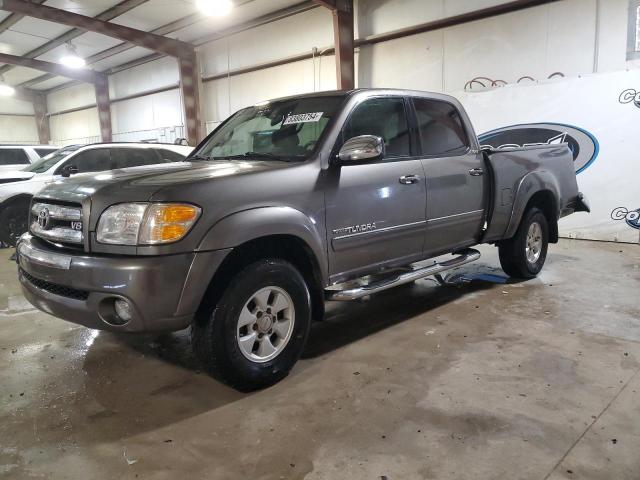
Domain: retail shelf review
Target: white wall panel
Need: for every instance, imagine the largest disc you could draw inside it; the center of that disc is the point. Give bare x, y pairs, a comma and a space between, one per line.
612, 35
380, 16
75, 127
18, 129
412, 62
72, 97
148, 112
10, 106
146, 77
285, 38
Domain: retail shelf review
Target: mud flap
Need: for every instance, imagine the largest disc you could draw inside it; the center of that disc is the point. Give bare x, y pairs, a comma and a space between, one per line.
582, 204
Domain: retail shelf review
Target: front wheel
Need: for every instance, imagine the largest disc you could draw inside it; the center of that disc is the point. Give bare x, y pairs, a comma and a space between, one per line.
523, 256
14, 221
258, 329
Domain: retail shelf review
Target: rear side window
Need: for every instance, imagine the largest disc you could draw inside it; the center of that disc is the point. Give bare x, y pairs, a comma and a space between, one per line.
13, 156
385, 118
44, 151
441, 129
170, 155
94, 160
135, 157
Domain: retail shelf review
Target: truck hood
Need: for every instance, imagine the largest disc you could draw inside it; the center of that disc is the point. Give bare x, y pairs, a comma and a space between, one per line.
8, 176
138, 184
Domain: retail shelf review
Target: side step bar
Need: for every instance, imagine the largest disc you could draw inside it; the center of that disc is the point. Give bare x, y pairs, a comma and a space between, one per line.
465, 256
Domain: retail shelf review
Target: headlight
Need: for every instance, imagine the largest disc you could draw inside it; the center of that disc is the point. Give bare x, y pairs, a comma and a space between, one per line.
146, 223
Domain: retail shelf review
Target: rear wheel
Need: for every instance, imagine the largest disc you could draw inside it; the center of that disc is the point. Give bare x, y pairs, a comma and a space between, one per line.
14, 221
258, 329
523, 256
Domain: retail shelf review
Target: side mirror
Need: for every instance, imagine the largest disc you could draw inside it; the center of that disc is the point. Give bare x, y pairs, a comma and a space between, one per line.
68, 170
364, 147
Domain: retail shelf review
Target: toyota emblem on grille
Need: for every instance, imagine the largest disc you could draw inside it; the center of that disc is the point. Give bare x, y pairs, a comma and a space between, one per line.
44, 218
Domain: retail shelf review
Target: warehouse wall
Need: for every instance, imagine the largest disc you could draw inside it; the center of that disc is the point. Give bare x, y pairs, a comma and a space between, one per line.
18, 129
17, 123
563, 36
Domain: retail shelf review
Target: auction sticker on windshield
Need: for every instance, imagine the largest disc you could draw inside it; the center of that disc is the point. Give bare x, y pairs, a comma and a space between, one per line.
303, 118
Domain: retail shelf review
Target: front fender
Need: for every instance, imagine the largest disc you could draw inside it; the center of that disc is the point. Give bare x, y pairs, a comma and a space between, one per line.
247, 225
530, 184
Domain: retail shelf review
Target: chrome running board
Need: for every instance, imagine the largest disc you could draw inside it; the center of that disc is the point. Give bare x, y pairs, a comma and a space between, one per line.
465, 256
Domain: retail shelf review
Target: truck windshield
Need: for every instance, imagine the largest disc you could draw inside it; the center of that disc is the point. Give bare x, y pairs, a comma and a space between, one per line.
286, 130
48, 161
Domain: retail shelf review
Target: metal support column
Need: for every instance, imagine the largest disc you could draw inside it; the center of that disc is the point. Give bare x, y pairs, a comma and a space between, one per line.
104, 108
190, 86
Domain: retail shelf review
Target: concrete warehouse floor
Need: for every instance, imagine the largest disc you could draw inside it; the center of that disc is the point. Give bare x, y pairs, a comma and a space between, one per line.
479, 380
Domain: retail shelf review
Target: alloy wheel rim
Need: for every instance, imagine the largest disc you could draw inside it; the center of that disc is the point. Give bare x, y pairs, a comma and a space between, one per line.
534, 242
265, 324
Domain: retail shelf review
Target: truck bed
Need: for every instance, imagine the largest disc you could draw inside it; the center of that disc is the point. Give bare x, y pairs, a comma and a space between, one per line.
519, 173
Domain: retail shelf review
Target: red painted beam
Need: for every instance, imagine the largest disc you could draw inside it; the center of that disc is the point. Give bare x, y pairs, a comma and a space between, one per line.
190, 89
330, 4
157, 43
104, 109
343, 32
88, 76
42, 120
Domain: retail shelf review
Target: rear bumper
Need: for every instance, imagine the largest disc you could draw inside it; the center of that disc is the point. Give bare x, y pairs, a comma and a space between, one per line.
164, 292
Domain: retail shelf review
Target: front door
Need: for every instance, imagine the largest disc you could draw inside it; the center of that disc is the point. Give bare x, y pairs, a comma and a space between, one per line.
376, 209
455, 178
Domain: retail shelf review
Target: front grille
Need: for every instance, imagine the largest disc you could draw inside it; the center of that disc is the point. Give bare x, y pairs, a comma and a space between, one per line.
55, 288
57, 223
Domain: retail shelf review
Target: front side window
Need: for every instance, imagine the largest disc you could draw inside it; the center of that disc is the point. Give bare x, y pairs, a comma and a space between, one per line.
441, 129
13, 156
286, 130
383, 117
94, 160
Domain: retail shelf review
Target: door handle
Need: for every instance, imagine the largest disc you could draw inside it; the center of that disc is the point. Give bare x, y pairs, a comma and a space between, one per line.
476, 172
409, 179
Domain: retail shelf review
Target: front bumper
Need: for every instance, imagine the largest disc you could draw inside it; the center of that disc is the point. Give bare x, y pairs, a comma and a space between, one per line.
164, 292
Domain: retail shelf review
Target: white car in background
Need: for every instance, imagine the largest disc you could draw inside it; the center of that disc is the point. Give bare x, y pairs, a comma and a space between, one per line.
18, 186
18, 156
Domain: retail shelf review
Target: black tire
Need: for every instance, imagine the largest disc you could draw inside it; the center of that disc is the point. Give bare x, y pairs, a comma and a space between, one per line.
513, 252
215, 333
14, 220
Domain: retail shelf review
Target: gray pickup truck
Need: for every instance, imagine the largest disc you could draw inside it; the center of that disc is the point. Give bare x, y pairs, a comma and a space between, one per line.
288, 204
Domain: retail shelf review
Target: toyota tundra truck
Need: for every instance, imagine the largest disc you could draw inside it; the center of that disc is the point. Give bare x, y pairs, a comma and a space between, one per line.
289, 204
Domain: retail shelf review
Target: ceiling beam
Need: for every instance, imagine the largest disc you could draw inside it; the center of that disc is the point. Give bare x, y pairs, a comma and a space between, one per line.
157, 43
88, 76
177, 25
26, 95
109, 14
330, 4
14, 18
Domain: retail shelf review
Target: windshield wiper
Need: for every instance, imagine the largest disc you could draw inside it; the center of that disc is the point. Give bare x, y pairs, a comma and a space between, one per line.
198, 158
266, 155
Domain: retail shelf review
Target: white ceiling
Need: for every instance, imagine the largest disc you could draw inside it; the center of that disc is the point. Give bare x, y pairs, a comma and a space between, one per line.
30, 33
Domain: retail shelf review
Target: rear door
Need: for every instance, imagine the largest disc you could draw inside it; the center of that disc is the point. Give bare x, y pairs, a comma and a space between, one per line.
376, 209
136, 157
13, 158
455, 177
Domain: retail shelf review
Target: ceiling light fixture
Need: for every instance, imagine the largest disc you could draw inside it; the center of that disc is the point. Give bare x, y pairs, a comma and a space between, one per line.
215, 8
72, 59
6, 90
